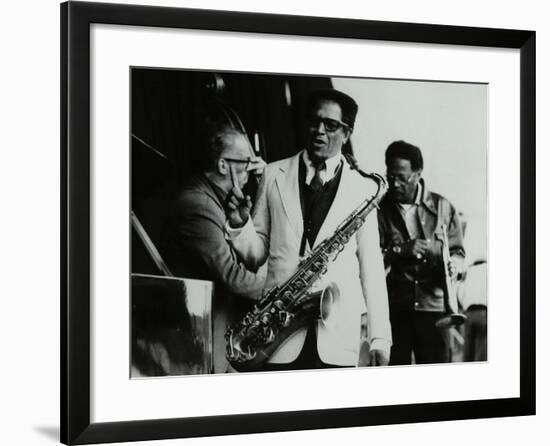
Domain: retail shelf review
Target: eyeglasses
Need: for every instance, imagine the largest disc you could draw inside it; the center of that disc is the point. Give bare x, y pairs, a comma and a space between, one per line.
399, 178
331, 125
246, 161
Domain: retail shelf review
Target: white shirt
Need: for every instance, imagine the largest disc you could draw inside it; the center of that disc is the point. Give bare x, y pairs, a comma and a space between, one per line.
328, 173
408, 211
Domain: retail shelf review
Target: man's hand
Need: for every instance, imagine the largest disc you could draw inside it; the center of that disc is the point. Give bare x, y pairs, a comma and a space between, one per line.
257, 166
415, 248
238, 207
453, 267
379, 357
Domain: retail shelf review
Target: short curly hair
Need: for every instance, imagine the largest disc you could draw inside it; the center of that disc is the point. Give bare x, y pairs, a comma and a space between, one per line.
406, 151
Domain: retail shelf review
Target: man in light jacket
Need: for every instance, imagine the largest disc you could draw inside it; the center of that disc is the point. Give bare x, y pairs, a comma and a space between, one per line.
301, 201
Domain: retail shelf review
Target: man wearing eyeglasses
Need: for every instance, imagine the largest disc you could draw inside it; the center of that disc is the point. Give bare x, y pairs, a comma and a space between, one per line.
194, 242
409, 218
301, 201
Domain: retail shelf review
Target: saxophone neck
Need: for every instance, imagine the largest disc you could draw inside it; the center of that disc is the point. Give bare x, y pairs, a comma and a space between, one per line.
382, 184
377, 178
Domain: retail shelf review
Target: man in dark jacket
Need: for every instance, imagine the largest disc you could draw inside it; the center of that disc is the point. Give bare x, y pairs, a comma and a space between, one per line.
410, 222
194, 243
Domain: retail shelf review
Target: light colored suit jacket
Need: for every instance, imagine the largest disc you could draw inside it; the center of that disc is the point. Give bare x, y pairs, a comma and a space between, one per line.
358, 271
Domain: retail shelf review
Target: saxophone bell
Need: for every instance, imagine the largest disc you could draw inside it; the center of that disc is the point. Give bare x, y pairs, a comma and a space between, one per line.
292, 306
330, 297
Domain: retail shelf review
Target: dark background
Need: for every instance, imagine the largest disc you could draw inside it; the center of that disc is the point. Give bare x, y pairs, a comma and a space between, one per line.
168, 111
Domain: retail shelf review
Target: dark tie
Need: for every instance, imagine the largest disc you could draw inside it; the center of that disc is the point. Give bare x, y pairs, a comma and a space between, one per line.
317, 183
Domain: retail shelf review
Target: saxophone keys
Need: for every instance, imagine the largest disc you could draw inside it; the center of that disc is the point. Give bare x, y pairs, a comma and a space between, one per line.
285, 318
269, 335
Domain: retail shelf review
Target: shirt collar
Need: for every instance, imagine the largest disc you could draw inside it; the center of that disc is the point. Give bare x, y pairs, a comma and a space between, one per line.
331, 163
419, 192
417, 197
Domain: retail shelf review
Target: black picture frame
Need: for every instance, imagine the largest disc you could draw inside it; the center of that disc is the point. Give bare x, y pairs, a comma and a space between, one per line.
76, 18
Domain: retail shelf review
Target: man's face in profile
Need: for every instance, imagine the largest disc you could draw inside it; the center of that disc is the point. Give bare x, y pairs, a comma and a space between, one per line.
326, 133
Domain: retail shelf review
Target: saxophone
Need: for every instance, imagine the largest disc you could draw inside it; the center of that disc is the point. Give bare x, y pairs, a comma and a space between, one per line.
288, 307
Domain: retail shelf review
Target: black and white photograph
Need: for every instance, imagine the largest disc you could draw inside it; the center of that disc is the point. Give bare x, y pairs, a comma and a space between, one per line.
286, 222
277, 222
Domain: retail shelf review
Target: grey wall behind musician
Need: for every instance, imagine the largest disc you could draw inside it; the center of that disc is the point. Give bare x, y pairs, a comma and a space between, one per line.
409, 217
193, 240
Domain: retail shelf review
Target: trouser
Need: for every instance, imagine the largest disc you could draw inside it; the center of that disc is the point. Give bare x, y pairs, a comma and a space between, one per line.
308, 357
415, 332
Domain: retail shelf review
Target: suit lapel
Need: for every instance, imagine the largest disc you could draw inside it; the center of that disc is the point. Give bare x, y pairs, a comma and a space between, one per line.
289, 191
